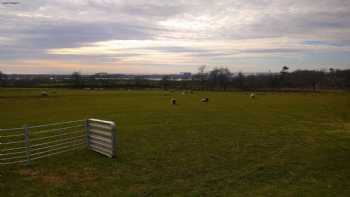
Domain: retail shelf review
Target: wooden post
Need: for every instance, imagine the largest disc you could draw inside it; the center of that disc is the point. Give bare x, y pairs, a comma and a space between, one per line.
27, 144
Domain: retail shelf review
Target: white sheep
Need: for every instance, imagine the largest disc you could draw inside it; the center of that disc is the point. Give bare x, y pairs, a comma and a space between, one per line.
44, 93
252, 95
205, 100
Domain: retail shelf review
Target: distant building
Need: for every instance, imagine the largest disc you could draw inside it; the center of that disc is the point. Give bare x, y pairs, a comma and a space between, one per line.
185, 75
101, 76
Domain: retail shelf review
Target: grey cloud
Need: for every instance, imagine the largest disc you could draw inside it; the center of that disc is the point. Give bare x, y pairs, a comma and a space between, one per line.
196, 52
69, 34
34, 41
312, 24
213, 54
276, 50
177, 49
150, 10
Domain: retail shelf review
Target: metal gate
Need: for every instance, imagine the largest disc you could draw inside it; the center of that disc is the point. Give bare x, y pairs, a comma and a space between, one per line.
29, 143
101, 136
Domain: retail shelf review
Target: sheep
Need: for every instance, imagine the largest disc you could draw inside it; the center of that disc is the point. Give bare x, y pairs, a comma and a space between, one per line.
205, 100
44, 94
173, 101
252, 95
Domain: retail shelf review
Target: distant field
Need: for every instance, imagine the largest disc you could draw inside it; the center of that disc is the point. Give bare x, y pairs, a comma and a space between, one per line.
280, 144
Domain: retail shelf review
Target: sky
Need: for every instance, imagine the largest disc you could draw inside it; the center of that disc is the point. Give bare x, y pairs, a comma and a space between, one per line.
171, 36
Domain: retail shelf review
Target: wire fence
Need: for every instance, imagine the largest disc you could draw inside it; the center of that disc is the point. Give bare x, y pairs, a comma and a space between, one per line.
28, 143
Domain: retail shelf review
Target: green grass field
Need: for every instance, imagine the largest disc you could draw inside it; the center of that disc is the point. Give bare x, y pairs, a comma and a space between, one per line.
280, 144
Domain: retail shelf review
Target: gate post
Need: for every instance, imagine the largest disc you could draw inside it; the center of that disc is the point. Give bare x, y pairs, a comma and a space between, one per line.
27, 144
87, 130
114, 139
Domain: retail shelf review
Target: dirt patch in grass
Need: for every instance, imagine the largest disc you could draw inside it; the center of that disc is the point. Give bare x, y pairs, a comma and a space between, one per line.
51, 180
42, 177
87, 176
28, 172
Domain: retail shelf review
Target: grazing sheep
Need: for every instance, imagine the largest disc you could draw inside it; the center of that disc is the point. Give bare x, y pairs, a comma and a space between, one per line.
205, 100
44, 94
252, 95
173, 101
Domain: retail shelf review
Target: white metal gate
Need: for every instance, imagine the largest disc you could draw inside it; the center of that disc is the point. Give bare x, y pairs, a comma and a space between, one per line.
28, 143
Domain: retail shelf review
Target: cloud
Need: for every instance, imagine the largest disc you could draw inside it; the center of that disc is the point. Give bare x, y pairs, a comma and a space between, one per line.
174, 33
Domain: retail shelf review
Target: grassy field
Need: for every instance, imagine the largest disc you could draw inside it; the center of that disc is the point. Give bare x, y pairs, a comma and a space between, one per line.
280, 144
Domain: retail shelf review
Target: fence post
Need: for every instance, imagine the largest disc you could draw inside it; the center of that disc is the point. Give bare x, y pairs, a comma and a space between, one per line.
27, 144
114, 139
87, 130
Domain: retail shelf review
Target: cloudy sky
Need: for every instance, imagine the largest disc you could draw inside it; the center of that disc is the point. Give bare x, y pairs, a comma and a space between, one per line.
161, 36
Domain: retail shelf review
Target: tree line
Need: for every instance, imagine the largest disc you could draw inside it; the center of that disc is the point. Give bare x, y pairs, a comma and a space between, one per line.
223, 79
219, 78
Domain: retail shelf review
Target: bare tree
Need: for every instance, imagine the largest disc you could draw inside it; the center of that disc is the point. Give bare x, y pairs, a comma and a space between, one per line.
76, 79
284, 69
220, 77
165, 82
2, 78
202, 75
201, 69
240, 80
284, 76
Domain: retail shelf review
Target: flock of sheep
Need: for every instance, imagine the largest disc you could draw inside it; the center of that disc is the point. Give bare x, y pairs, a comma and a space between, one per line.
172, 101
